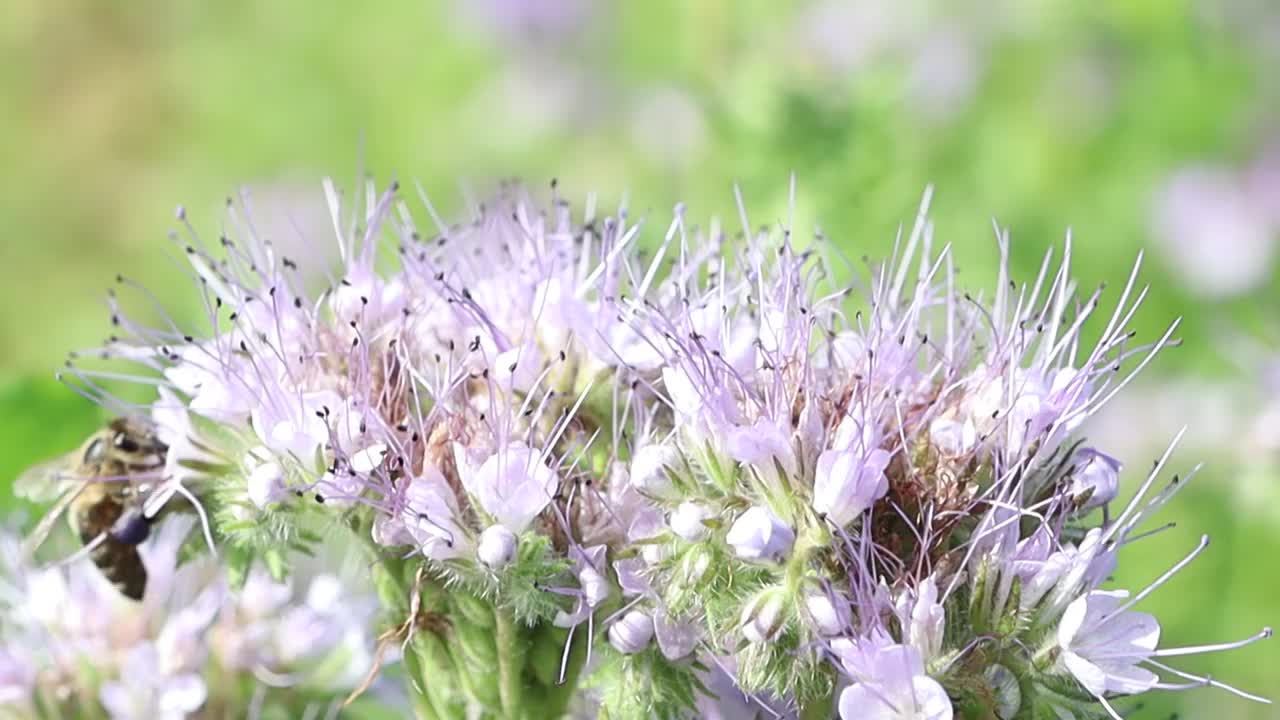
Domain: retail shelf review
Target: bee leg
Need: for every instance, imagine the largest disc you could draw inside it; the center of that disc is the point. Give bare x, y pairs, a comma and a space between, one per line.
132, 528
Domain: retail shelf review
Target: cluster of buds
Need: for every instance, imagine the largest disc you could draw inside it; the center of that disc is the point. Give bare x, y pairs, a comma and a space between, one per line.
71, 645
854, 493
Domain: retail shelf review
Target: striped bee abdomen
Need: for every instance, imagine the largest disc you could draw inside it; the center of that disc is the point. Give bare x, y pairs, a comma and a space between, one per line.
122, 565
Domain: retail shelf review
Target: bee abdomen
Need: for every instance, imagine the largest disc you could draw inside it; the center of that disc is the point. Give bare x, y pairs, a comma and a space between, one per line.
122, 565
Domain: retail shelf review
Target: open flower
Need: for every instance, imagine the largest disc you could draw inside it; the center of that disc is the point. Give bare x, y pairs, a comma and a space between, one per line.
1103, 644
889, 683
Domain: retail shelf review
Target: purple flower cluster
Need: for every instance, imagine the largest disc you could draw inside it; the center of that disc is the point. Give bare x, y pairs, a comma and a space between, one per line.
861, 486
70, 644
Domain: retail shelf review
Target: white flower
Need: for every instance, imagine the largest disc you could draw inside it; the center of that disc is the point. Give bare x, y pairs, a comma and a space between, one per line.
823, 615
265, 482
687, 520
631, 577
923, 619
299, 430
1103, 646
846, 483
517, 369
146, 693
431, 517
649, 469
497, 547
758, 534
368, 459
589, 565
632, 632
366, 298
953, 436
889, 683
17, 677
684, 395
761, 444
513, 485
1064, 574
1096, 480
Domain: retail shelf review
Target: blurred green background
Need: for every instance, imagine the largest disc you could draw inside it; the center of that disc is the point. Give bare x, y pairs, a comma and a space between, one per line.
1149, 124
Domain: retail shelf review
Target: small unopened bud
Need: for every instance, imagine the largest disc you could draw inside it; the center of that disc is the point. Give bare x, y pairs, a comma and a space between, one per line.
632, 633
649, 469
1096, 480
763, 617
497, 547
265, 482
695, 564
758, 534
687, 521
823, 615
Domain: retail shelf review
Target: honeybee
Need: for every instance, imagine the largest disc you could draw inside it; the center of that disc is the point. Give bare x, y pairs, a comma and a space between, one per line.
102, 488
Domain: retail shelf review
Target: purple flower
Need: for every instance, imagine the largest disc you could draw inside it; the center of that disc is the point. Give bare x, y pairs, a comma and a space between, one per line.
889, 683
632, 632
846, 483
758, 534
1096, 480
513, 484
1103, 644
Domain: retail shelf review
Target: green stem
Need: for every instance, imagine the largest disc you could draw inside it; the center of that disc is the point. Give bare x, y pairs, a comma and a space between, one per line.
557, 696
511, 657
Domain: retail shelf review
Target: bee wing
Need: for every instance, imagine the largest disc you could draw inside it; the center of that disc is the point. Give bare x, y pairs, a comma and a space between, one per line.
44, 482
38, 535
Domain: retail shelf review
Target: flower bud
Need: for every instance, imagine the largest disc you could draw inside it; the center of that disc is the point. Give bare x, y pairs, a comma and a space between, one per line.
265, 482
694, 564
687, 521
1096, 479
497, 547
847, 482
649, 469
823, 615
632, 632
762, 618
758, 534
